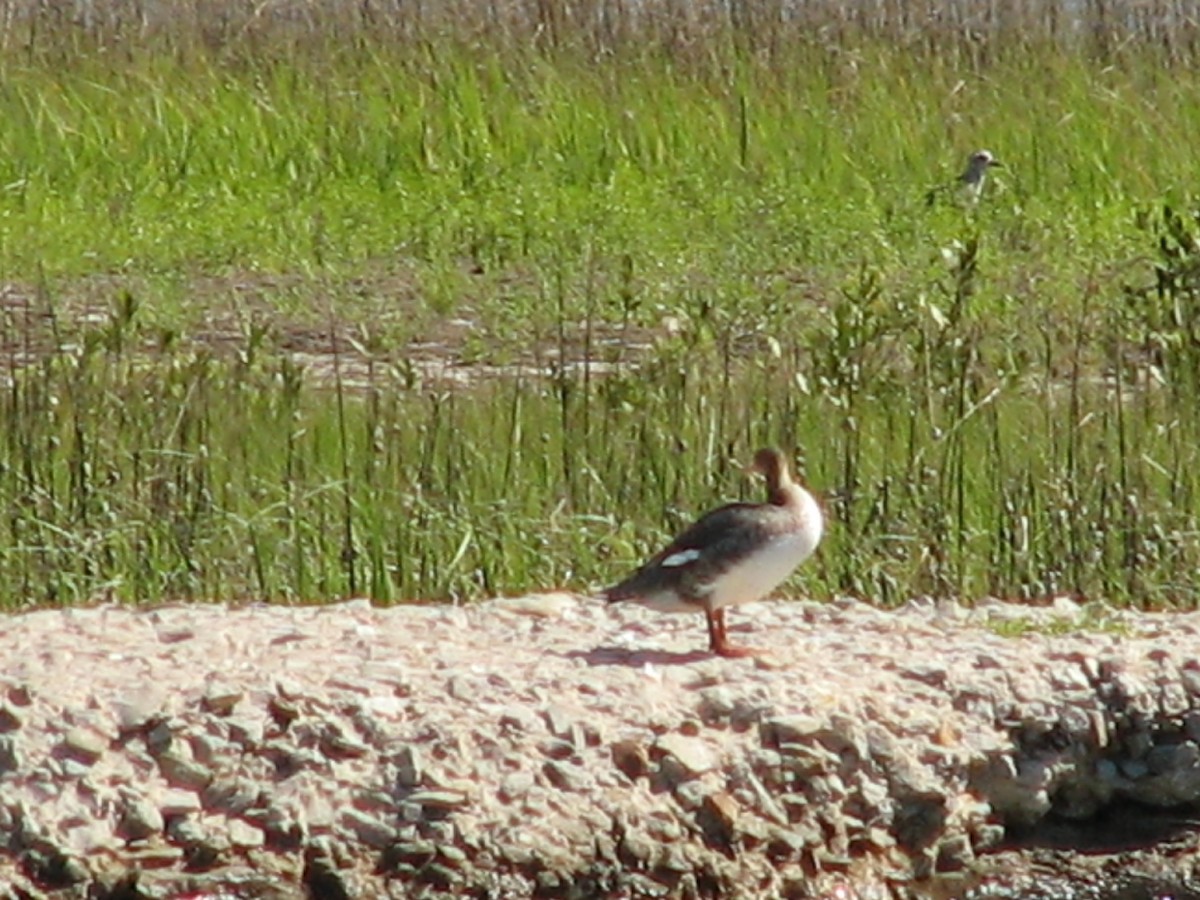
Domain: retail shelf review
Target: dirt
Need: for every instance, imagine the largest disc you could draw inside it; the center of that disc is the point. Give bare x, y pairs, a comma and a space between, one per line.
344, 330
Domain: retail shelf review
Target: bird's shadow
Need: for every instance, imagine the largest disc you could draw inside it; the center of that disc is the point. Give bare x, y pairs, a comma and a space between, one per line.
624, 656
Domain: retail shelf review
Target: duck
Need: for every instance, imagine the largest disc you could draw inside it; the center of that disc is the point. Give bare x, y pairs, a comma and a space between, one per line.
969, 185
732, 555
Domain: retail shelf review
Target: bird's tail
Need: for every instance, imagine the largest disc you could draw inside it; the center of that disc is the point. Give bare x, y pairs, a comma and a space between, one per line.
613, 594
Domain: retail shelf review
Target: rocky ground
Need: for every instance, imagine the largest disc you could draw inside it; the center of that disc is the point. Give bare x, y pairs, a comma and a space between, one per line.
548, 746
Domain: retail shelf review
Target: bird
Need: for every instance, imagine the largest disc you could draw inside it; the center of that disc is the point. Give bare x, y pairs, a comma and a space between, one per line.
732, 555
969, 185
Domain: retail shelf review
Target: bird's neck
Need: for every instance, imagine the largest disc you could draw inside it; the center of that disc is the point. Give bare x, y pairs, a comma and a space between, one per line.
786, 492
975, 175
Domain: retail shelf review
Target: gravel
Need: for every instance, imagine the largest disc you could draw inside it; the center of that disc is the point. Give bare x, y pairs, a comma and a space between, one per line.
547, 744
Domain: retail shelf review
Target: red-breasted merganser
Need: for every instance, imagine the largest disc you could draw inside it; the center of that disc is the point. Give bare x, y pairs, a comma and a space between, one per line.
736, 554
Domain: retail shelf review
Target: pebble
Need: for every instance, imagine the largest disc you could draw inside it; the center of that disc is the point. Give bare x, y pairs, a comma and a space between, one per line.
631, 758
153, 857
562, 722
410, 771
230, 794
567, 777
694, 756
85, 745
208, 749
173, 802
174, 634
19, 695
337, 745
1167, 758
89, 838
244, 835
954, 853
793, 730
691, 794
407, 734
141, 819
515, 786
187, 830
439, 799
246, 730
724, 809
182, 772
1189, 679
160, 737
222, 698
520, 719
543, 606
73, 769
11, 759
10, 719
555, 748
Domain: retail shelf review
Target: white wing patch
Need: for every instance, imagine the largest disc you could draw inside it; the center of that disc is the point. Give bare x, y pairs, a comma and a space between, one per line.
682, 558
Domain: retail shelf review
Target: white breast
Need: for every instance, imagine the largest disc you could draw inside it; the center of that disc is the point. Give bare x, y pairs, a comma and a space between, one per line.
755, 577
768, 567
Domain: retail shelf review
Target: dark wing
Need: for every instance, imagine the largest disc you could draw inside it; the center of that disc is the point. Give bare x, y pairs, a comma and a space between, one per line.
703, 552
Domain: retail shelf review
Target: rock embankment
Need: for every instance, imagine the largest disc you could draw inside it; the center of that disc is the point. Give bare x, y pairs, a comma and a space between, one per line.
546, 746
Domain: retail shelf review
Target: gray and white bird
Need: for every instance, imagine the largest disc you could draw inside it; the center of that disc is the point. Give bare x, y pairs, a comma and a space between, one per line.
968, 187
736, 554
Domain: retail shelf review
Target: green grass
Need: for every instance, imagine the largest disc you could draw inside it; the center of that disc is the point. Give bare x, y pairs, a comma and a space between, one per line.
1095, 619
187, 475
998, 400
157, 165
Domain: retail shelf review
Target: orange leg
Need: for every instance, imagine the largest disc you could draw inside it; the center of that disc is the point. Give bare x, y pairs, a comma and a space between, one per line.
718, 641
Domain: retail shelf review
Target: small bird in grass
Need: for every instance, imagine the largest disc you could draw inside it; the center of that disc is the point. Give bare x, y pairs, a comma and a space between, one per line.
968, 187
735, 554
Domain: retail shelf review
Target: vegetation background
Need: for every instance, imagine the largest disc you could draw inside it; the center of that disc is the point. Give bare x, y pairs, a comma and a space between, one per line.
439, 301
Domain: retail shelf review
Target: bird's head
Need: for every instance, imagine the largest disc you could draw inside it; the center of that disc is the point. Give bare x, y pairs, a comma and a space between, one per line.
773, 465
979, 163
